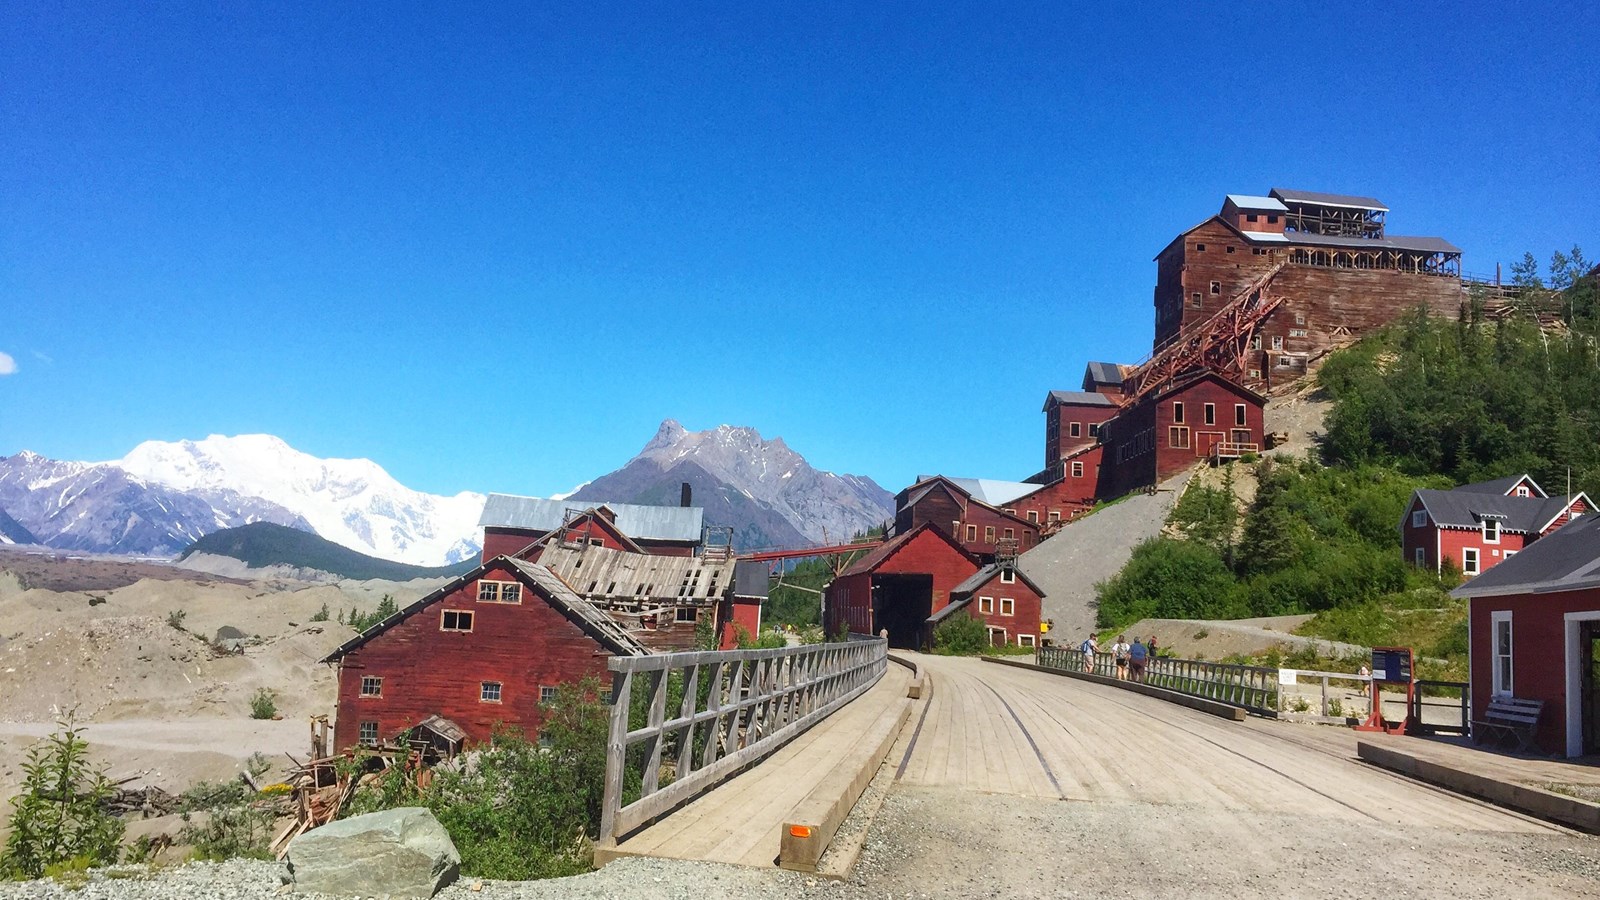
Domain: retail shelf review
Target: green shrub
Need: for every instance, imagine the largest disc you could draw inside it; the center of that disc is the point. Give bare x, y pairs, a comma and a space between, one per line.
226, 832
176, 617
519, 810
204, 795
321, 615
960, 635
362, 621
58, 816
263, 705
1168, 579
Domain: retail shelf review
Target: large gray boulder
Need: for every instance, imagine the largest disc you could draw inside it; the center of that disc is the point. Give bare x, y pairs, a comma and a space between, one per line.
395, 853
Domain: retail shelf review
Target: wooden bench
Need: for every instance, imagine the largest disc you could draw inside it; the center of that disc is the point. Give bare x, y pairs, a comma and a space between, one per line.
1509, 717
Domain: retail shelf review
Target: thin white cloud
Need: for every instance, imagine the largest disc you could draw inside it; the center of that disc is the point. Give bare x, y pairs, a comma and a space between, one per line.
41, 357
8, 366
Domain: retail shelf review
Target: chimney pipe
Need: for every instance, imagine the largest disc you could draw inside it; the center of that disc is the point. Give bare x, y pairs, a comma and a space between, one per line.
685, 494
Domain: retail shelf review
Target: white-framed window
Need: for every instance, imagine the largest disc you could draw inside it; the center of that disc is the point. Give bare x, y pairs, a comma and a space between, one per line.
986, 605
997, 636
368, 734
1277, 342
972, 532
455, 620
1500, 627
1255, 341
489, 691
1419, 518
1008, 576
1055, 515
1491, 531
1469, 561
1522, 491
1008, 606
1077, 470
1238, 414
1421, 556
1211, 414
1033, 516
1075, 429
1011, 534
1177, 412
1216, 287
547, 694
1026, 640
988, 533
1178, 437
371, 686
1094, 430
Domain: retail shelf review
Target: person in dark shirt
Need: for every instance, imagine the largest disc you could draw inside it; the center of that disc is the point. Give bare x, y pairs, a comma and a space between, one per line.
1137, 654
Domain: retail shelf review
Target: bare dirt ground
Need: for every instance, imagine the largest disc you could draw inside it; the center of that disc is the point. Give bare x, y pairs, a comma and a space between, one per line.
158, 701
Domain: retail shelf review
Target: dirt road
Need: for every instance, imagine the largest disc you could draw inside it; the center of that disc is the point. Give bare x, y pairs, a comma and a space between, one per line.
1018, 783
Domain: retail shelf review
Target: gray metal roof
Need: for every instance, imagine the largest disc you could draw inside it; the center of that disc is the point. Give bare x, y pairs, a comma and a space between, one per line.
1468, 509
1321, 199
1247, 201
750, 579
1104, 373
981, 577
992, 492
1566, 560
1501, 486
657, 523
1390, 242
949, 610
1080, 398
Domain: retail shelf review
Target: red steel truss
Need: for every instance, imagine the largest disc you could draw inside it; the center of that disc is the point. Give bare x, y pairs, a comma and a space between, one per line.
1218, 344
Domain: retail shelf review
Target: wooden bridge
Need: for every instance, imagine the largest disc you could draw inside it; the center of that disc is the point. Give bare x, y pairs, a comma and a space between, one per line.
984, 728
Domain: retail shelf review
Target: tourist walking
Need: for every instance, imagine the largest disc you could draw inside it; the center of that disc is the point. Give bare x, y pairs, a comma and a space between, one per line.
1119, 652
1136, 658
1090, 647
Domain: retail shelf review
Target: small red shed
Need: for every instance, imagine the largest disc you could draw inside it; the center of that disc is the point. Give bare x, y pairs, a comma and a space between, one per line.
1005, 600
1534, 633
486, 648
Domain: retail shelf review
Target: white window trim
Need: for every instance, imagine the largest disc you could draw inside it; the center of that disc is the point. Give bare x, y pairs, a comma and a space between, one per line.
1422, 556
1008, 576
986, 606
1485, 529
1008, 606
1419, 518
1573, 630
1027, 640
1495, 618
1477, 561
471, 617
500, 691
379, 685
1077, 470
1004, 637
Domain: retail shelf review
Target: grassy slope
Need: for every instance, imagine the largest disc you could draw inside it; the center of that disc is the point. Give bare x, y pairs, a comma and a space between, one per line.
264, 544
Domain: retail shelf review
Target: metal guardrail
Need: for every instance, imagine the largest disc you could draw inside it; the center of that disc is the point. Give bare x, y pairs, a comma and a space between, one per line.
737, 707
1254, 688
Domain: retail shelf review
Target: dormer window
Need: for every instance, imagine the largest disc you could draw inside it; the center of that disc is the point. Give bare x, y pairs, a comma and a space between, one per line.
1491, 531
1522, 491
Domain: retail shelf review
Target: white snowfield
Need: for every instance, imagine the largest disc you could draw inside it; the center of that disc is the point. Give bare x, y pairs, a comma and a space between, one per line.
352, 502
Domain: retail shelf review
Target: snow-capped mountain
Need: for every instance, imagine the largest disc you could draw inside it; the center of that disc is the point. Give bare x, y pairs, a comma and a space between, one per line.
768, 492
101, 508
352, 502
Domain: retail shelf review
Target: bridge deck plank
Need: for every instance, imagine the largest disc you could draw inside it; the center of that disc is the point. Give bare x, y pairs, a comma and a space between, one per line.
741, 820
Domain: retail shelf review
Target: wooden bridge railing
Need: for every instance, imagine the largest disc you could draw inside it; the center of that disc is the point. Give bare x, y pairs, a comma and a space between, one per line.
728, 710
1253, 687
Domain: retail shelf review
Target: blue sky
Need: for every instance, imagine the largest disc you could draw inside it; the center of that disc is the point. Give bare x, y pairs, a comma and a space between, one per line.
491, 247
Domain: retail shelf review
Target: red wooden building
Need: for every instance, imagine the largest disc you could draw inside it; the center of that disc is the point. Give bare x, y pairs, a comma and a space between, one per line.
511, 525
1197, 417
955, 506
488, 647
1342, 275
897, 586
1477, 526
1004, 599
1534, 634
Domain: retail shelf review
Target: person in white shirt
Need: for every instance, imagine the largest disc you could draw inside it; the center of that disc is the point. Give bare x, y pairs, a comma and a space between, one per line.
1119, 652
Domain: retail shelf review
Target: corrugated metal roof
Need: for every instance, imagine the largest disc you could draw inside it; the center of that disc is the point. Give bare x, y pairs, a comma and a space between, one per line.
994, 493
657, 523
949, 610
981, 577
1080, 398
750, 579
1321, 199
1391, 242
1105, 373
1248, 201
1566, 560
